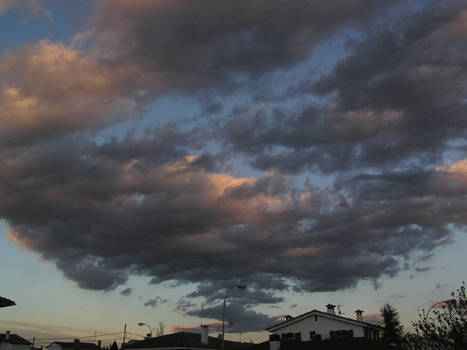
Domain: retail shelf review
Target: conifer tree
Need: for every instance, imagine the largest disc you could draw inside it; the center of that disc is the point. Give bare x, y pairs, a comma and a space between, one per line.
392, 326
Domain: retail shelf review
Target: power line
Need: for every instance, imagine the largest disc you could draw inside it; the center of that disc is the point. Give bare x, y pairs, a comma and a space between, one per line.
48, 340
73, 337
140, 335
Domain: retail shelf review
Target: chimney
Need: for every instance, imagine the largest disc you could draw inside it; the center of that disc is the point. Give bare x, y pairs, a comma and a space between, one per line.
7, 336
330, 309
204, 334
359, 315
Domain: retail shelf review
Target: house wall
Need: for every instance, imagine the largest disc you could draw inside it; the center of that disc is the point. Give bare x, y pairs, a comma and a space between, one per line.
322, 326
9, 346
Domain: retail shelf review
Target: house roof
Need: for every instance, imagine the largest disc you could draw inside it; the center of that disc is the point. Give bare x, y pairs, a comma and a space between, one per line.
183, 340
4, 302
14, 339
64, 344
324, 314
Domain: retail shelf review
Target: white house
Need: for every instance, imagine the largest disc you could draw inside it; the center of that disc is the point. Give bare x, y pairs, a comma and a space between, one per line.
324, 325
9, 341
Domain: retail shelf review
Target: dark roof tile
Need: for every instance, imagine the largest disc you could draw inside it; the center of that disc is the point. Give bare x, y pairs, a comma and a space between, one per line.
183, 339
73, 344
14, 339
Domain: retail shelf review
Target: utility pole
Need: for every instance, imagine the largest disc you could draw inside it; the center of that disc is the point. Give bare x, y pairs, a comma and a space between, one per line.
124, 337
33, 341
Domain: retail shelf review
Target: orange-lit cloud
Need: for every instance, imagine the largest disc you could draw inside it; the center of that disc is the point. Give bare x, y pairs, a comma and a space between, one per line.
64, 89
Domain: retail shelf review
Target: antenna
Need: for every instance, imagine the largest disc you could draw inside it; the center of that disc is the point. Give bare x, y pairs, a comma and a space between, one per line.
339, 309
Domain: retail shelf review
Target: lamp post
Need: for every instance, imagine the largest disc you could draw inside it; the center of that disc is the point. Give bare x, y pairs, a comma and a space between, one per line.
149, 335
447, 301
239, 287
4, 302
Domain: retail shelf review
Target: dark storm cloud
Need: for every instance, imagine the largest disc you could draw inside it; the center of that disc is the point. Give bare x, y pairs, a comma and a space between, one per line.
163, 205
242, 319
155, 302
102, 214
183, 305
126, 292
254, 295
396, 98
196, 43
139, 50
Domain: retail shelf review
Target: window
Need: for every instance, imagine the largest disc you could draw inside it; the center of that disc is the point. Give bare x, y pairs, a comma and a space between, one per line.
341, 334
298, 336
316, 318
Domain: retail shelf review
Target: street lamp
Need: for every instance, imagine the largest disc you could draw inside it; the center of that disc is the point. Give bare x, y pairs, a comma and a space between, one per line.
149, 335
4, 302
239, 287
447, 301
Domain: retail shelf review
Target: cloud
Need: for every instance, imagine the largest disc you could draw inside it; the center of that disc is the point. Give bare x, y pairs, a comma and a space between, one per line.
390, 90
126, 292
255, 293
29, 5
49, 89
183, 305
440, 285
92, 200
242, 319
171, 203
438, 304
398, 296
154, 302
373, 318
218, 39
6, 4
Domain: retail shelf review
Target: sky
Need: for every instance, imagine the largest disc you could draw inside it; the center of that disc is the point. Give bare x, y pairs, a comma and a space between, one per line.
154, 153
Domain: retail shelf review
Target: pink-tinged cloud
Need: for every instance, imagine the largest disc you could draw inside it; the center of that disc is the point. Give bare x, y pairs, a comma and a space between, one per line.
439, 304
373, 318
48, 89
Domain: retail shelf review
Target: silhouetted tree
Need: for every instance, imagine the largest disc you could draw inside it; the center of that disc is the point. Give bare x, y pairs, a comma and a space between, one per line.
392, 326
445, 328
